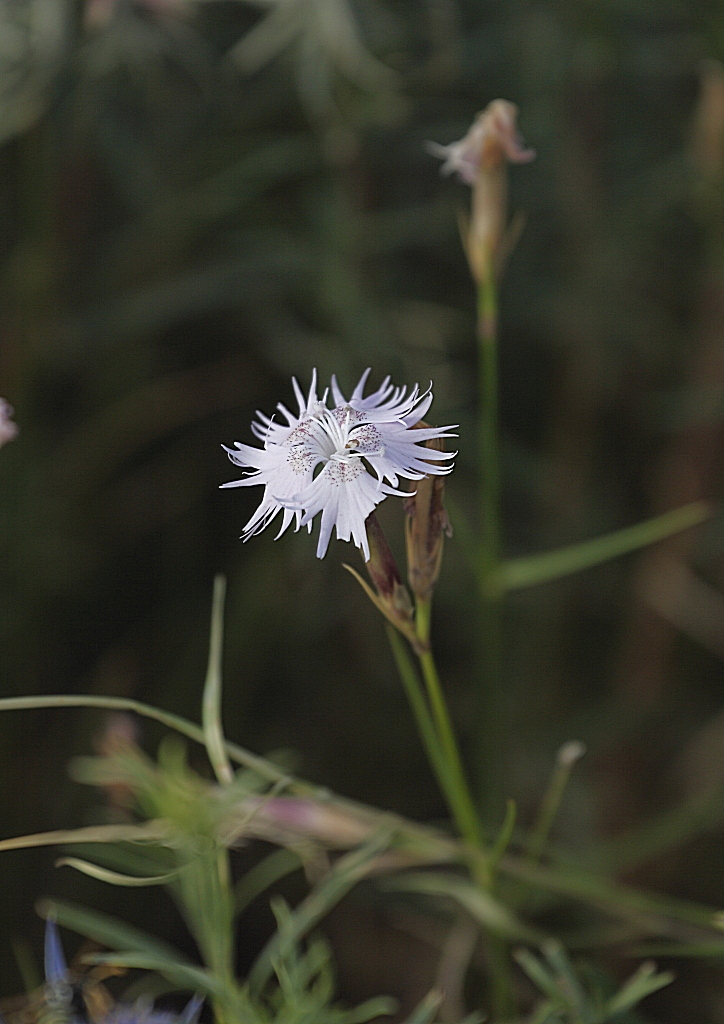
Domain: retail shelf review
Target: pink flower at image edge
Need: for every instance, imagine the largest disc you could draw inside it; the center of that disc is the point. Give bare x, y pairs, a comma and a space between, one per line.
8, 429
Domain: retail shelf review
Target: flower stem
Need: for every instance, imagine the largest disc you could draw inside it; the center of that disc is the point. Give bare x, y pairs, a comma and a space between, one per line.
459, 797
420, 710
489, 442
493, 718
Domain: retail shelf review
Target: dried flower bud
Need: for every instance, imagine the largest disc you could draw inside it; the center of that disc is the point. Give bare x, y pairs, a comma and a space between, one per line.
480, 158
707, 137
426, 525
569, 753
119, 736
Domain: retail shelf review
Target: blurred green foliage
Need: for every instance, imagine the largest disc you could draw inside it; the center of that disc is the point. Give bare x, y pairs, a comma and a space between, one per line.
195, 207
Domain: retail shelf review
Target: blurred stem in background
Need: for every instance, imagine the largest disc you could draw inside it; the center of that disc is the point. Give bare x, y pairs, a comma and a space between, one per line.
480, 158
493, 718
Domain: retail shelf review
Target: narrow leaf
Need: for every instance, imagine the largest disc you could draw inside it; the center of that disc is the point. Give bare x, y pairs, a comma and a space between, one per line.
569, 984
641, 984
539, 974
480, 904
113, 877
263, 875
182, 975
257, 764
426, 1011
344, 876
680, 950
379, 1006
152, 831
211, 706
110, 932
551, 565
504, 836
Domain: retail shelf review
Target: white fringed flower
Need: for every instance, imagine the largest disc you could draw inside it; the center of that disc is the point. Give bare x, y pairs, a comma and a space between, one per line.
341, 461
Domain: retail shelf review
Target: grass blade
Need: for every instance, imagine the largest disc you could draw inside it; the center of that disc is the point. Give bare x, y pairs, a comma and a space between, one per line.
211, 705
551, 565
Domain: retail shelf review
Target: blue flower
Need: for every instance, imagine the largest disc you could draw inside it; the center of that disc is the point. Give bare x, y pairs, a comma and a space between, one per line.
65, 1002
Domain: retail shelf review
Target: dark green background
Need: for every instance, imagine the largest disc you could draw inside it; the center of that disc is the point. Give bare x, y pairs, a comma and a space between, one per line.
178, 239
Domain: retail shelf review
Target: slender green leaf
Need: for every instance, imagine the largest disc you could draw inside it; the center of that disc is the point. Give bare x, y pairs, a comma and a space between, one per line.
568, 983
211, 705
114, 877
547, 1013
151, 831
680, 950
504, 836
426, 1011
140, 859
257, 764
484, 907
111, 932
661, 915
344, 876
263, 875
27, 964
380, 1006
639, 985
551, 565
539, 974
182, 975
568, 755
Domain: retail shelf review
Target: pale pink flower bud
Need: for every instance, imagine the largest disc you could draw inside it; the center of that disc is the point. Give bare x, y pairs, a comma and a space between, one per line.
480, 158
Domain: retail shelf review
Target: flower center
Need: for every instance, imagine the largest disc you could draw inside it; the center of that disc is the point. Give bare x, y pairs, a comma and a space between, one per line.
332, 437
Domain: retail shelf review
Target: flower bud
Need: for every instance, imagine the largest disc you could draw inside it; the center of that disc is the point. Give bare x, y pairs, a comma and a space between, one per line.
384, 573
390, 596
426, 525
707, 137
569, 753
480, 158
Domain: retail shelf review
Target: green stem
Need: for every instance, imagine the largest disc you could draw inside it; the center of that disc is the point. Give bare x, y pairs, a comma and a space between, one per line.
492, 726
420, 710
489, 444
459, 797
567, 757
211, 704
493, 718
194, 732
